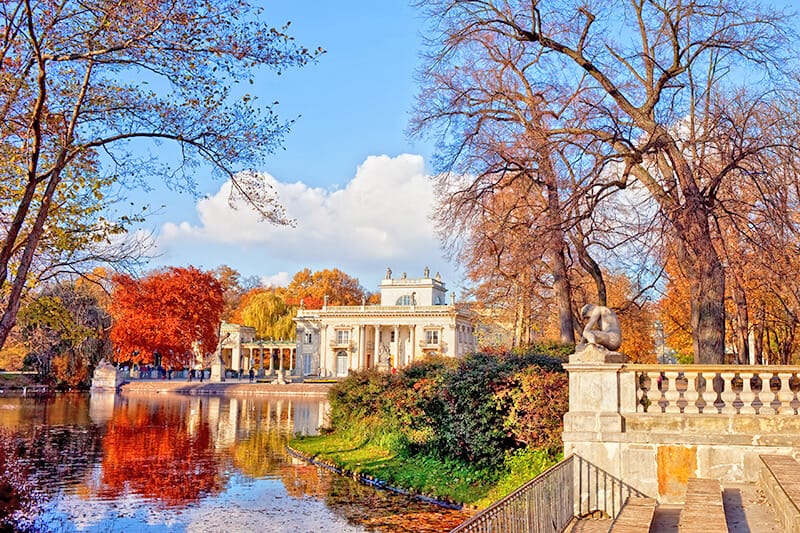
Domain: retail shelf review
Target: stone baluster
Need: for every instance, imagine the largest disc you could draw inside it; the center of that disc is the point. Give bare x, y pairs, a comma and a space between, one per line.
669, 392
704, 397
794, 387
644, 388
691, 395
757, 386
728, 394
746, 395
784, 395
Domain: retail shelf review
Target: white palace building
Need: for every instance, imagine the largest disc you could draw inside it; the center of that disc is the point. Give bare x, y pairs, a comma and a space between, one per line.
414, 319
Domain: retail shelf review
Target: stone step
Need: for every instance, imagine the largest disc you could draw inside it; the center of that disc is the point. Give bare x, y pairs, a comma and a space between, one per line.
780, 479
703, 510
636, 516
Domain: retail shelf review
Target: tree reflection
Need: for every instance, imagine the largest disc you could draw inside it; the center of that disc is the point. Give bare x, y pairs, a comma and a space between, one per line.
150, 450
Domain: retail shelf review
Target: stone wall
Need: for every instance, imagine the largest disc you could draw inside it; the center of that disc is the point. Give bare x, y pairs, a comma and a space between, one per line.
656, 426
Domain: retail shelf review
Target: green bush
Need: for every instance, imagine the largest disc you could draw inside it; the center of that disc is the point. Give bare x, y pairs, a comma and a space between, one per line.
473, 410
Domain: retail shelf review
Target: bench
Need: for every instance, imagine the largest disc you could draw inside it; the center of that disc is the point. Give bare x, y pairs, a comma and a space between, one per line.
780, 479
703, 511
636, 516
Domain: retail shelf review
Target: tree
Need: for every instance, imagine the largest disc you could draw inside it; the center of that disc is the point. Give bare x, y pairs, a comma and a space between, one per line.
165, 313
313, 287
646, 90
65, 330
79, 80
270, 315
234, 287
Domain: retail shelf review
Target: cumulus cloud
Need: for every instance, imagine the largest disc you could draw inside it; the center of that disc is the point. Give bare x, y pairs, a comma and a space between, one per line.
380, 217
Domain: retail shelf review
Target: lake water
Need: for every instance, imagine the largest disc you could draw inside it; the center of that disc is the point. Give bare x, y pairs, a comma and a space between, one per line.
110, 462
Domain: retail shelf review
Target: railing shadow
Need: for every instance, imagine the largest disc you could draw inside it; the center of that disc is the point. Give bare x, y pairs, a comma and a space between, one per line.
547, 504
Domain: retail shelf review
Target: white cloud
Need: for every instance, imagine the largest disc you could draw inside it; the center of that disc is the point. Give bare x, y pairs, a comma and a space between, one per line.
281, 279
379, 218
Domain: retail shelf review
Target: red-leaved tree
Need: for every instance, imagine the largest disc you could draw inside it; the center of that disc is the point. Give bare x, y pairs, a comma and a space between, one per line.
165, 312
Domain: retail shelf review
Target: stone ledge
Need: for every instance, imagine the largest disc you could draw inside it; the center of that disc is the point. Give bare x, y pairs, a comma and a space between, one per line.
780, 479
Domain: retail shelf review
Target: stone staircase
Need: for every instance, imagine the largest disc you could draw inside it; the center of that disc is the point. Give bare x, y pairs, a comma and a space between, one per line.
770, 506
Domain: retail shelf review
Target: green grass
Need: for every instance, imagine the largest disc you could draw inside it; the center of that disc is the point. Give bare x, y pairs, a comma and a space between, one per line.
443, 479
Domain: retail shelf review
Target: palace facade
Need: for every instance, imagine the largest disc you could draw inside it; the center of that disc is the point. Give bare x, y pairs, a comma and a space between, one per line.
413, 319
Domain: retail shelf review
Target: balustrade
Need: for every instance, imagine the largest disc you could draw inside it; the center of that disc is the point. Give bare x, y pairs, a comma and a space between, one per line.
728, 389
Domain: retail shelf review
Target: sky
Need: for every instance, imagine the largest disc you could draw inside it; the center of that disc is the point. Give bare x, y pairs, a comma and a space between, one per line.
357, 185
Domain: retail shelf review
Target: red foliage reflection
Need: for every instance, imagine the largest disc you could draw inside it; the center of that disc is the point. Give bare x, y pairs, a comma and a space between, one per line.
161, 453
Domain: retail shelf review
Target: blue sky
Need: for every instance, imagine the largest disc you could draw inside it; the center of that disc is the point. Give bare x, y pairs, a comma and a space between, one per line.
356, 184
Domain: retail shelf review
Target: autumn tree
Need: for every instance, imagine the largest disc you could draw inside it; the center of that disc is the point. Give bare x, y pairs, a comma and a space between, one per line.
234, 287
313, 287
65, 330
645, 91
270, 315
79, 80
165, 313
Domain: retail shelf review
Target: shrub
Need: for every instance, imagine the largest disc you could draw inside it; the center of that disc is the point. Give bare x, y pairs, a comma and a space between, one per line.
536, 401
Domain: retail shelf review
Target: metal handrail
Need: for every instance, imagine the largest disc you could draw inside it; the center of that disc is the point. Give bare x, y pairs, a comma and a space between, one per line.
549, 502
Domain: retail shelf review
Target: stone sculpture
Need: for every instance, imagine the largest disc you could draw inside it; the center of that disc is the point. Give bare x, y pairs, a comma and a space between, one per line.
602, 327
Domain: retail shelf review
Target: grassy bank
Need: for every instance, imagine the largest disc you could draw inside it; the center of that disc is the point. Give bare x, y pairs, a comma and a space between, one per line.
447, 480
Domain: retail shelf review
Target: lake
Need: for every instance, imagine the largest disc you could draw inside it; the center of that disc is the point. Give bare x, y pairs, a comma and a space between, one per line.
168, 462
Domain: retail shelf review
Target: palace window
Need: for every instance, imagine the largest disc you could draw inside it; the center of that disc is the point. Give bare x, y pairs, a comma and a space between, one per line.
307, 339
404, 300
431, 336
342, 336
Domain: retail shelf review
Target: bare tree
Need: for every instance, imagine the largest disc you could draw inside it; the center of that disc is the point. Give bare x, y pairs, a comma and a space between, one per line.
643, 84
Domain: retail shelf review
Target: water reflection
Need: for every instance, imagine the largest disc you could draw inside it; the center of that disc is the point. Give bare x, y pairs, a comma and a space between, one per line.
111, 462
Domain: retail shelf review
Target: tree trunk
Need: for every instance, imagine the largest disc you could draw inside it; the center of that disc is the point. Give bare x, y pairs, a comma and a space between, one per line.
591, 267
701, 266
758, 335
742, 324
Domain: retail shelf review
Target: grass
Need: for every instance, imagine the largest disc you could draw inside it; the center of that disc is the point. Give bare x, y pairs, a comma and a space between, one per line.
443, 479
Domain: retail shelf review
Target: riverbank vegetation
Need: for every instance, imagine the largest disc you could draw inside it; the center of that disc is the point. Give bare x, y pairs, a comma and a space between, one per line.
468, 430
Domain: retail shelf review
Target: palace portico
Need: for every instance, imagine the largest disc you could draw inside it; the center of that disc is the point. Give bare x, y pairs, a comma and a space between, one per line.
241, 351
412, 321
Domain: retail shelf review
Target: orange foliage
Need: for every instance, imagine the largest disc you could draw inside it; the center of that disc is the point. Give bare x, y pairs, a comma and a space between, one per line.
312, 288
71, 371
675, 313
165, 312
150, 452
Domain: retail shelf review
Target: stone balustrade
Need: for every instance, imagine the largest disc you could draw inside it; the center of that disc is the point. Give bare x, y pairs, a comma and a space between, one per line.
656, 426
722, 389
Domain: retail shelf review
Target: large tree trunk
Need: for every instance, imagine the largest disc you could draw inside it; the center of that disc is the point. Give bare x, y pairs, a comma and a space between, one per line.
561, 285
703, 269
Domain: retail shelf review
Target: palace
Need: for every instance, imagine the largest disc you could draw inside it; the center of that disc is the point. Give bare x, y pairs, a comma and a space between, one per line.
412, 320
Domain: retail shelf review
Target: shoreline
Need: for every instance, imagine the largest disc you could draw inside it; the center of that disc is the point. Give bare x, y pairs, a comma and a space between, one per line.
225, 388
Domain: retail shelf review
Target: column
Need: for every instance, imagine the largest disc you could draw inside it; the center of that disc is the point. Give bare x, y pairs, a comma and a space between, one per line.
362, 348
261, 361
355, 357
396, 346
412, 333
377, 350
323, 347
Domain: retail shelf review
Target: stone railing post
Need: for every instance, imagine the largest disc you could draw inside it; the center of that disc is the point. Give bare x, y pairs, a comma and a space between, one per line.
598, 393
